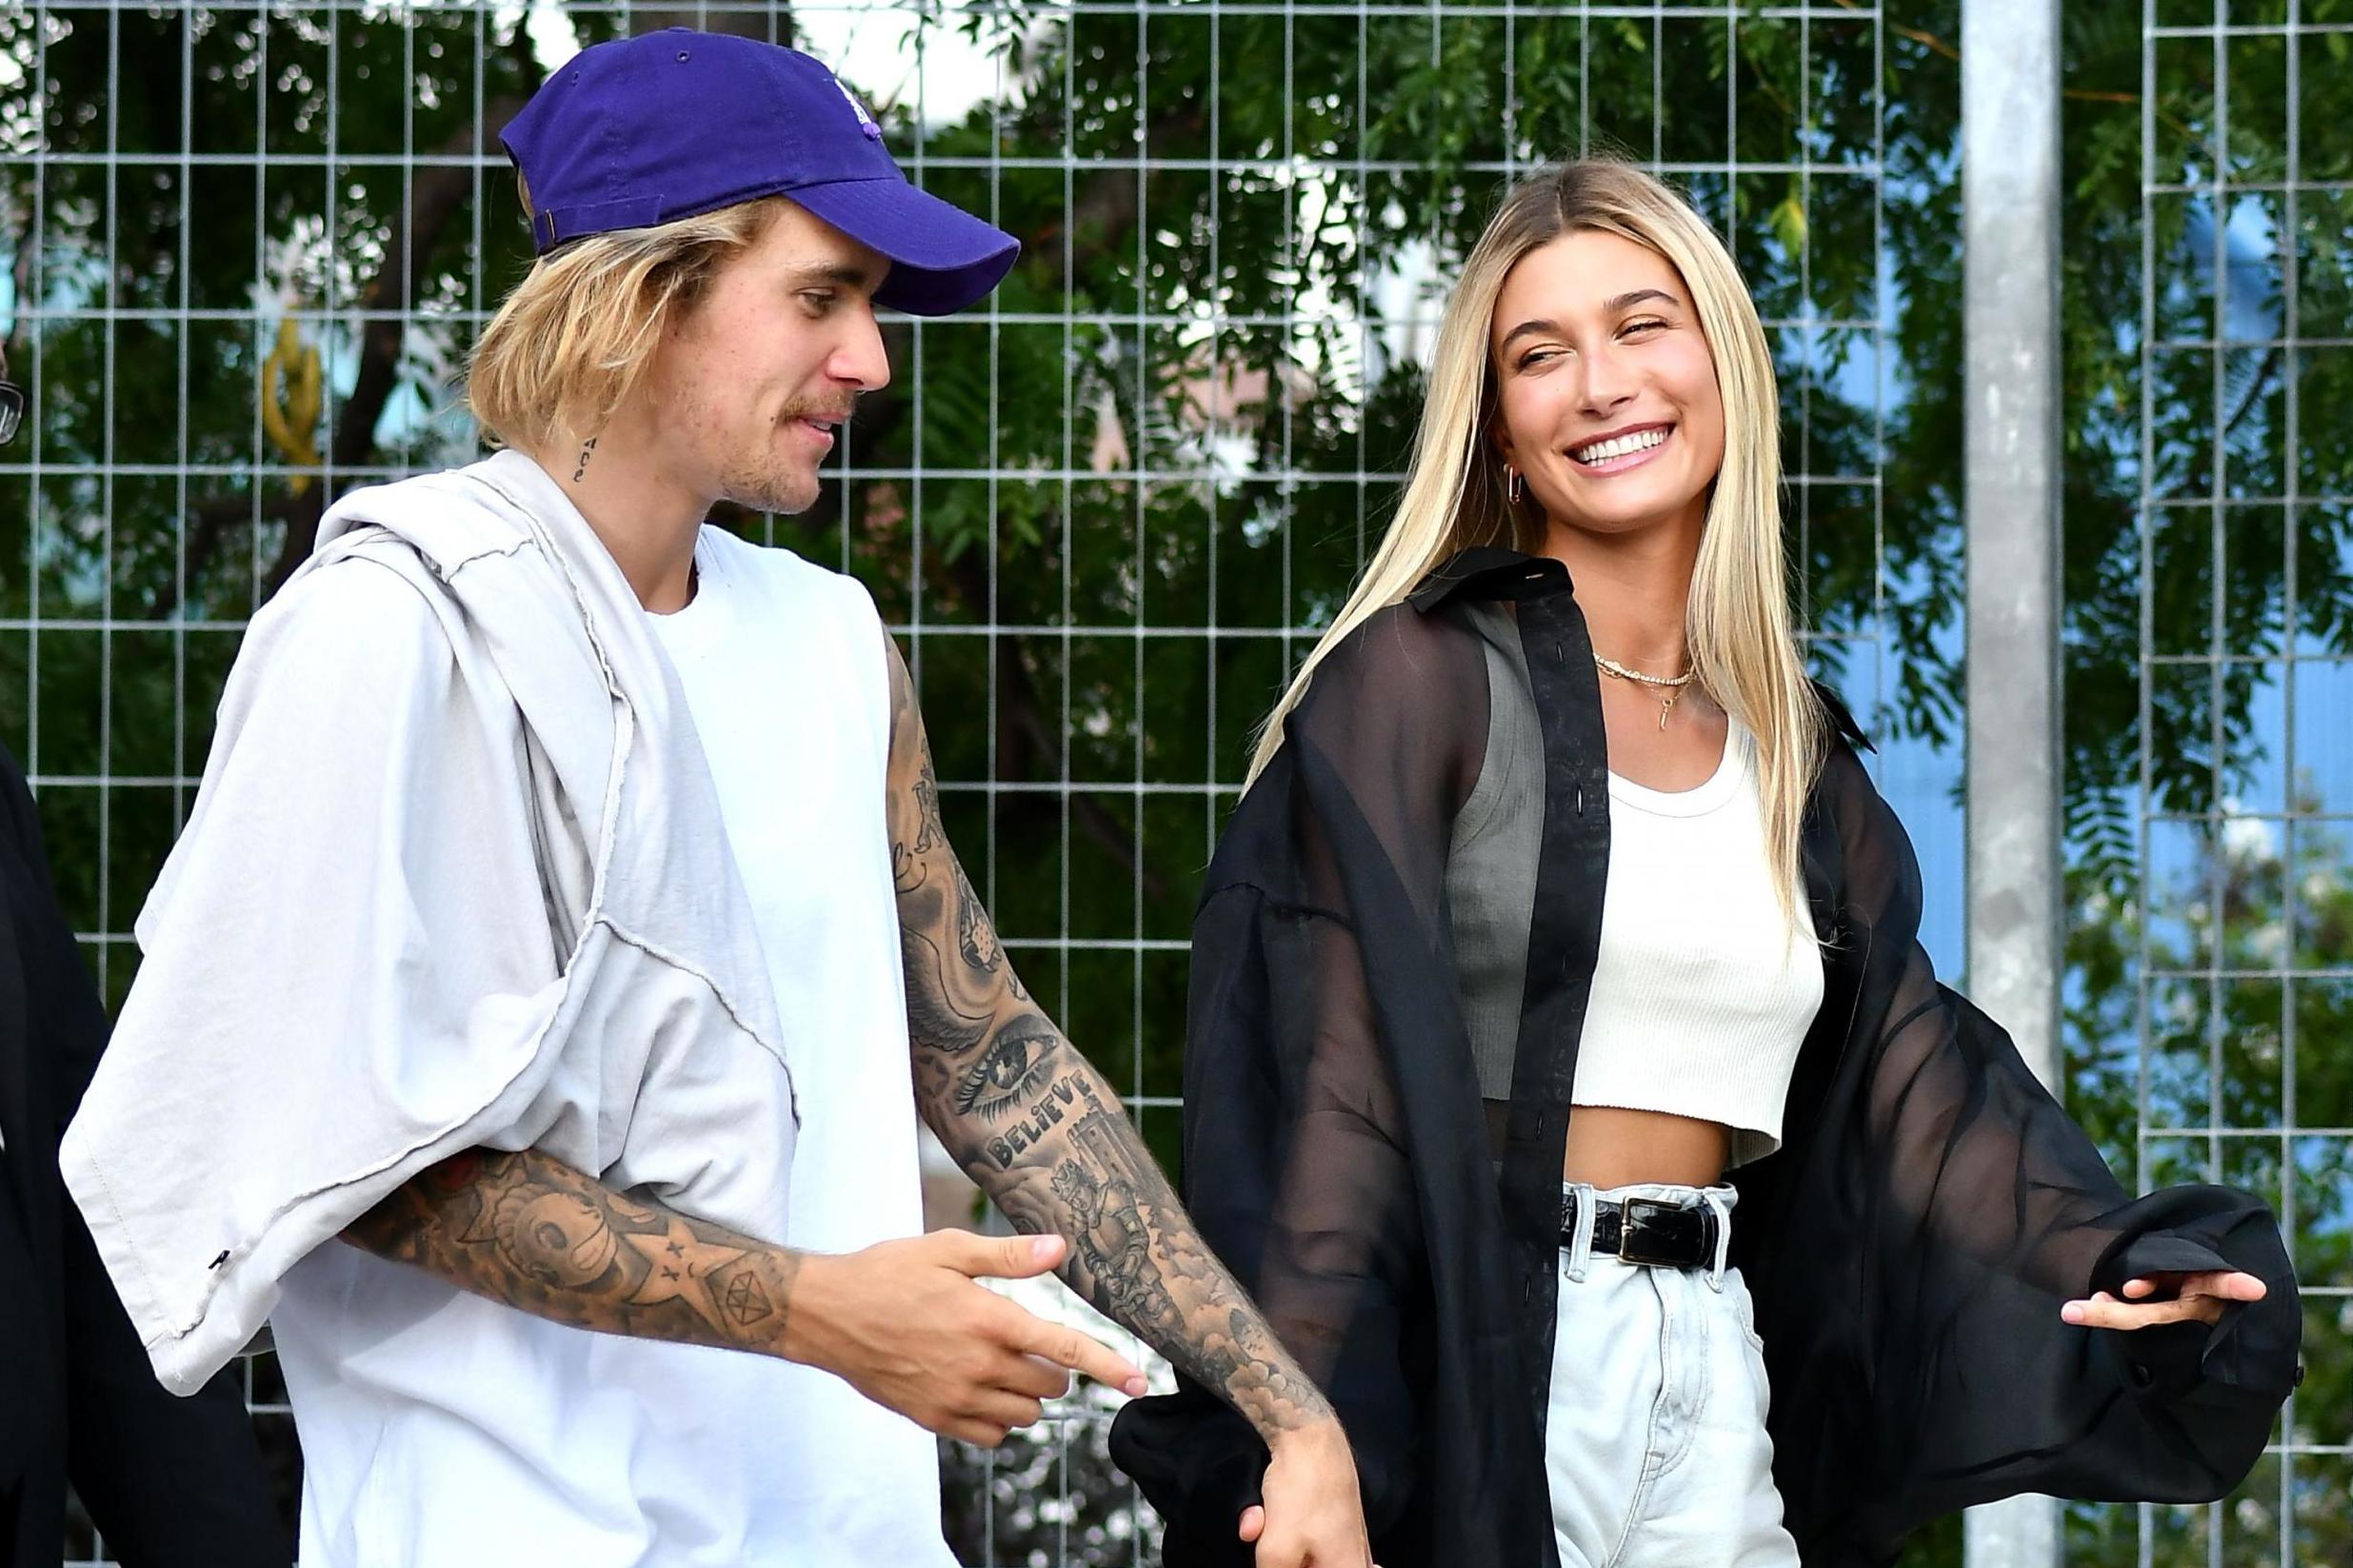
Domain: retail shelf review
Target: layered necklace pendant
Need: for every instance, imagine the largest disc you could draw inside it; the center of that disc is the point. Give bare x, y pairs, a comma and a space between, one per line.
1669, 686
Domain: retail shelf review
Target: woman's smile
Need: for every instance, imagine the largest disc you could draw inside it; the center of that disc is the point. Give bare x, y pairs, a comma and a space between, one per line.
1627, 447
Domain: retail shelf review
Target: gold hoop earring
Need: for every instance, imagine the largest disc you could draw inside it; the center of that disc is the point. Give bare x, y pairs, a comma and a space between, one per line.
1512, 489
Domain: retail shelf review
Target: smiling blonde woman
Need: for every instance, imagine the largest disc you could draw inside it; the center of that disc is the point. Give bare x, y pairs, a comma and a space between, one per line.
1560, 920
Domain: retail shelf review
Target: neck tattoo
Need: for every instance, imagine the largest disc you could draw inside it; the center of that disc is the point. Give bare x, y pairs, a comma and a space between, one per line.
590, 445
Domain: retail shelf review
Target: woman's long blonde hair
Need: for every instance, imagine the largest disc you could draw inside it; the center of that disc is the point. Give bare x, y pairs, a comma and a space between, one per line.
1737, 620
568, 347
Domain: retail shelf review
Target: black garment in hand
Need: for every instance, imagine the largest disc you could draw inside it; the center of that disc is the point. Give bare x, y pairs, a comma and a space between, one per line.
1909, 1246
168, 1482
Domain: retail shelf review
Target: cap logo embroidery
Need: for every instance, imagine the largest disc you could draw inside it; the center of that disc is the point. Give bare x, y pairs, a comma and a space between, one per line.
865, 121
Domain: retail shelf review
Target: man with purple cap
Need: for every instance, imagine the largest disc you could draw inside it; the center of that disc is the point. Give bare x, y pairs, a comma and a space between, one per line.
565, 939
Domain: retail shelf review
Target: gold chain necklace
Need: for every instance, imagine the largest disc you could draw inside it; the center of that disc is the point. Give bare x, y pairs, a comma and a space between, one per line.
1674, 684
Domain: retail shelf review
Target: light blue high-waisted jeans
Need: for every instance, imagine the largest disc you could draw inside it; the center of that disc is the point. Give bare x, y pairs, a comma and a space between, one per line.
1656, 1443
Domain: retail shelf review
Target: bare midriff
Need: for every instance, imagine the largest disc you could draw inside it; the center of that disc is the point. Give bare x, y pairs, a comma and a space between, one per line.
1611, 1147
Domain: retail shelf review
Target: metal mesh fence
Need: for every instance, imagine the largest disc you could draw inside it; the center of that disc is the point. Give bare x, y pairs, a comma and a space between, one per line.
2244, 697
1105, 512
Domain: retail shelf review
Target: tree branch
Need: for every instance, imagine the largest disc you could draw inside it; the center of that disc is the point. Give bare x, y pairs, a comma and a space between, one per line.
1027, 745
435, 193
213, 517
1917, 35
1104, 211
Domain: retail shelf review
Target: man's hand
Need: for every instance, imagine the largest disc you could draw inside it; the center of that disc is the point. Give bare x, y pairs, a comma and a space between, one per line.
902, 1322
904, 1325
2197, 1297
1312, 1516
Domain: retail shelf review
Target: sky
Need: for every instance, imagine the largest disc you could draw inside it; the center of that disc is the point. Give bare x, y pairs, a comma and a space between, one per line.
875, 48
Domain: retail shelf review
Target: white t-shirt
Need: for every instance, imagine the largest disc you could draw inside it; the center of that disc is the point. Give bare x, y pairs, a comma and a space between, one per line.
783, 667
440, 1430
1699, 1005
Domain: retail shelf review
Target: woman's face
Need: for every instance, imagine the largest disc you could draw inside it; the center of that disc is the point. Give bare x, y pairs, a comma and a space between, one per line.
1607, 400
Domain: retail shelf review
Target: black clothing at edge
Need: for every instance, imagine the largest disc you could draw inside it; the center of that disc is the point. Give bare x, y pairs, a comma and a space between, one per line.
168, 1482
1909, 1246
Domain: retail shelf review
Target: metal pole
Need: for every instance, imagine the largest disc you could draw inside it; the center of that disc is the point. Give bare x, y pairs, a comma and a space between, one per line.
2009, 129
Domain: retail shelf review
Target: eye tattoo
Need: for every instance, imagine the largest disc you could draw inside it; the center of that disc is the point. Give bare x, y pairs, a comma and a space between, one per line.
995, 1085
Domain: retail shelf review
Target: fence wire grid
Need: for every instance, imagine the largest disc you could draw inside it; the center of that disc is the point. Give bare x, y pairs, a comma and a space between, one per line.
1108, 510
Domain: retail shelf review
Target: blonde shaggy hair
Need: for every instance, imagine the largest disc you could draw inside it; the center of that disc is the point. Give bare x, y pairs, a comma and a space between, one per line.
570, 344
1744, 650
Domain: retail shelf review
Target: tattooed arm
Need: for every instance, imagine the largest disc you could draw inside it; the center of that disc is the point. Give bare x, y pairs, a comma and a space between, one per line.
529, 1230
1033, 1122
902, 1322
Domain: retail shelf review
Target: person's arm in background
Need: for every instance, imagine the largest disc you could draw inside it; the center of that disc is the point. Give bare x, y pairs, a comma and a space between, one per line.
166, 1481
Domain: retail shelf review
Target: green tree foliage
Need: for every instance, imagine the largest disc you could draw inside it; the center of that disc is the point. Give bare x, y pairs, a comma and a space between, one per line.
1186, 412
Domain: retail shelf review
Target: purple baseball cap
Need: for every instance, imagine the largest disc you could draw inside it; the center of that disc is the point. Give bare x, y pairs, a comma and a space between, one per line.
667, 125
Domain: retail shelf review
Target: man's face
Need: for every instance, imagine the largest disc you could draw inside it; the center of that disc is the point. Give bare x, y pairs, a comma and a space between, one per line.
752, 383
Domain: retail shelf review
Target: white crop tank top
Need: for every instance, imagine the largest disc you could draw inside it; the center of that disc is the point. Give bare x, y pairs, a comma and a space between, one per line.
1704, 989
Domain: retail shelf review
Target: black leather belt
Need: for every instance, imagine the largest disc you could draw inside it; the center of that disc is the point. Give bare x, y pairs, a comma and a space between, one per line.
1647, 1230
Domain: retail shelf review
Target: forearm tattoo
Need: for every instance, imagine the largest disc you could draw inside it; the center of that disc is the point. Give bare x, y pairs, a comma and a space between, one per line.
1039, 1129
529, 1230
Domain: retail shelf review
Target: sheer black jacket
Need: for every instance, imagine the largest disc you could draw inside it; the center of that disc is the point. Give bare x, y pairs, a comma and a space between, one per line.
1909, 1246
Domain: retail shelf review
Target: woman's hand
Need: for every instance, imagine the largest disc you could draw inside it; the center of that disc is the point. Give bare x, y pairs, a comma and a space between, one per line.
2186, 1298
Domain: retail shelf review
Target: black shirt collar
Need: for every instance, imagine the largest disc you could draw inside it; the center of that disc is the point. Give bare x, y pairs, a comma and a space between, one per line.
1490, 571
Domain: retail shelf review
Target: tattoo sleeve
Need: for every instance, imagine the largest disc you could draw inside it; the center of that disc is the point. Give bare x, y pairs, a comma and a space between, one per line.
530, 1231
1039, 1129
